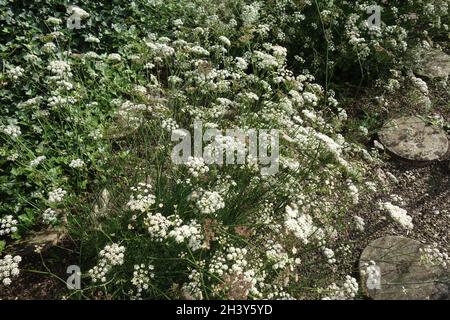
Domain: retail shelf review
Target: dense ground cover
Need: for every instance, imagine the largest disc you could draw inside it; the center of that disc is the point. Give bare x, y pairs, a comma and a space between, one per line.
88, 117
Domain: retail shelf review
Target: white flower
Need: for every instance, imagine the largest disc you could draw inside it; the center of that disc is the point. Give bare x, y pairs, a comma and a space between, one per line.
196, 166
56, 195
225, 41
241, 63
432, 255
142, 199
60, 69
177, 22
9, 268
330, 255
49, 216
114, 57
169, 124
188, 232
250, 13
354, 193
15, 73
398, 214
91, 39
12, 130
373, 274
348, 290
300, 224
200, 51
8, 225
210, 202
53, 21
160, 49
77, 11
112, 255
142, 276
310, 98
49, 47
157, 226
77, 163
359, 222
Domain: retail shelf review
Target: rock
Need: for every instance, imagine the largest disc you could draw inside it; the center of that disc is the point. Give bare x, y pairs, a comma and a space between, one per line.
436, 64
100, 208
414, 139
122, 127
43, 239
401, 274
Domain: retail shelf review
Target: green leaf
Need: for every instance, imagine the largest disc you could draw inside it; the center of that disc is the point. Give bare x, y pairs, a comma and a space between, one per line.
2, 246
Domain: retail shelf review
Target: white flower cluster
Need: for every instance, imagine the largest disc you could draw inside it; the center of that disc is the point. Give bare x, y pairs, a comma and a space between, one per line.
348, 290
432, 255
188, 232
77, 163
373, 275
196, 166
15, 73
193, 288
198, 50
58, 101
114, 57
214, 151
61, 69
9, 268
250, 14
91, 39
359, 222
53, 21
241, 63
56, 195
169, 124
300, 224
354, 192
219, 264
157, 225
265, 61
35, 162
77, 11
12, 130
161, 229
233, 263
210, 202
142, 276
49, 216
329, 254
225, 41
8, 225
112, 255
280, 258
398, 214
142, 199
49, 47
420, 84
161, 50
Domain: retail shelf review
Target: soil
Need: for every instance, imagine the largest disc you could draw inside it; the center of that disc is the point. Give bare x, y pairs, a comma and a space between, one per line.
38, 281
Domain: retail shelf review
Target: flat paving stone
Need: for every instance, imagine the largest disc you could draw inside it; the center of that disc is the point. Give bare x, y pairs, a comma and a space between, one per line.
402, 275
435, 64
43, 239
414, 139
